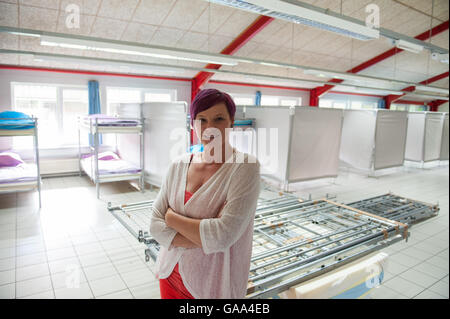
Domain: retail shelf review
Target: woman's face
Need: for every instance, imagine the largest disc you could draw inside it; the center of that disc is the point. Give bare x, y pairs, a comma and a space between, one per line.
212, 122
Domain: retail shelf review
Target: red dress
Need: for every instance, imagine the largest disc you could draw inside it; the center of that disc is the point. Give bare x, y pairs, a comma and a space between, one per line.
172, 287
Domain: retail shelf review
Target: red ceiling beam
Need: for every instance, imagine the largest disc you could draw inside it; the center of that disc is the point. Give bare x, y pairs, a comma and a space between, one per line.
389, 99
319, 91
257, 26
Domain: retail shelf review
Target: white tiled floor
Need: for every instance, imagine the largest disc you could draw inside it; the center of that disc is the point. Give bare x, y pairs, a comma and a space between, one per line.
74, 248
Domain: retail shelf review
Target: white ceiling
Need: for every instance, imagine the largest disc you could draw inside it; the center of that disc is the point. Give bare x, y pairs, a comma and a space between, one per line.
199, 25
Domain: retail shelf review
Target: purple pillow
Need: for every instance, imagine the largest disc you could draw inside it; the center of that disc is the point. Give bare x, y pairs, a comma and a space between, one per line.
104, 156
9, 159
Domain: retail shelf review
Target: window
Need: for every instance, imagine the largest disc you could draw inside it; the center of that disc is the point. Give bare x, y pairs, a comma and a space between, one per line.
115, 96
243, 101
57, 109
339, 105
157, 97
409, 107
358, 105
325, 103
267, 100
291, 102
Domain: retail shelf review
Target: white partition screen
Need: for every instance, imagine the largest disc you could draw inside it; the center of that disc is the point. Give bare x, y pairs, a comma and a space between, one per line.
166, 137
424, 139
445, 139
433, 136
358, 135
272, 125
390, 138
415, 137
314, 144
374, 139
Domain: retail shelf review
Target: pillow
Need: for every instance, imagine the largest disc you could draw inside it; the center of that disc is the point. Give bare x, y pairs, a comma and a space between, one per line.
104, 156
107, 156
10, 159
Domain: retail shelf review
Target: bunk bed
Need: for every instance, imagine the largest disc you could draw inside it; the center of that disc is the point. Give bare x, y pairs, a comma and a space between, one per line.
109, 167
20, 176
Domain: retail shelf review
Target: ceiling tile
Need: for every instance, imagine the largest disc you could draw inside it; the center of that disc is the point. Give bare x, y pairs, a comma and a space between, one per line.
262, 51
137, 32
166, 36
84, 27
152, 11
48, 4
9, 41
108, 28
38, 18
212, 18
117, 9
192, 40
216, 43
237, 22
88, 7
184, 14
9, 15
444, 83
265, 35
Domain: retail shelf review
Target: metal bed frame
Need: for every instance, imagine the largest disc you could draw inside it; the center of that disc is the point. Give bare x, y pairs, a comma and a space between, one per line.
293, 240
398, 208
17, 187
93, 127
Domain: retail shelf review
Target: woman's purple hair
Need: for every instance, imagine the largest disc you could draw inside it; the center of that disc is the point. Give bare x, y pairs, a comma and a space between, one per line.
208, 98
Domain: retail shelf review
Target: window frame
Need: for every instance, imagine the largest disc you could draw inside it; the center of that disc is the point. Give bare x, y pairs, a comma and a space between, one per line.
59, 107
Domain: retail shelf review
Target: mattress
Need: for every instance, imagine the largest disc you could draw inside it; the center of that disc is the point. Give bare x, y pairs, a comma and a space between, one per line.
109, 167
105, 120
353, 281
21, 173
11, 120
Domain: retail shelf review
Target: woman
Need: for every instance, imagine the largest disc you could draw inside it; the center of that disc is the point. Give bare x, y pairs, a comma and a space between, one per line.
203, 214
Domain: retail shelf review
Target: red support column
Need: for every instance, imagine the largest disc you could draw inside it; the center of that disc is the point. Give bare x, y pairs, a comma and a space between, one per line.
434, 105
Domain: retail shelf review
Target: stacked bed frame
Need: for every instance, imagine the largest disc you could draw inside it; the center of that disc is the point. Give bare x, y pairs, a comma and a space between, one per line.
23, 127
95, 127
296, 240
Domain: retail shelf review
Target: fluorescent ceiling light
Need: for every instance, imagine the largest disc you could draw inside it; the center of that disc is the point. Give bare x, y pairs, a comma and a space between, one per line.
299, 13
431, 89
408, 46
124, 66
175, 54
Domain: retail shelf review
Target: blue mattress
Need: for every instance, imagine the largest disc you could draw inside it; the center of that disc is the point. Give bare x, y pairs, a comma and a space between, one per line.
11, 120
243, 122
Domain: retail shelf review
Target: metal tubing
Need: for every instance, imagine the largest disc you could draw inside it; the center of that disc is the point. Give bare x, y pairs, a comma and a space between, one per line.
308, 250
297, 245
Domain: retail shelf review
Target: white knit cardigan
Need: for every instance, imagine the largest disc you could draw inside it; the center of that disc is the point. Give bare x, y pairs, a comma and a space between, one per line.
220, 268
